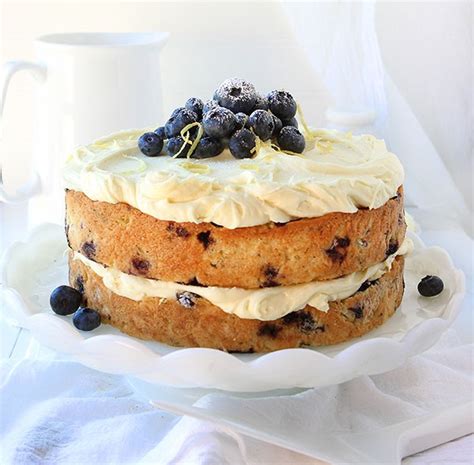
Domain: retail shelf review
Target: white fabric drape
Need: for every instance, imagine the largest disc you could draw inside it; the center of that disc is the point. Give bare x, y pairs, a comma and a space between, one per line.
54, 412
340, 42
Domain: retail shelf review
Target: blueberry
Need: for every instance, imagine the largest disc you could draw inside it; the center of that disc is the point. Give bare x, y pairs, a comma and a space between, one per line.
291, 139
281, 104
290, 122
242, 143
262, 123
219, 122
278, 125
160, 132
65, 300
180, 118
241, 119
237, 95
86, 319
209, 105
173, 146
187, 299
261, 103
175, 112
430, 286
208, 147
150, 144
196, 105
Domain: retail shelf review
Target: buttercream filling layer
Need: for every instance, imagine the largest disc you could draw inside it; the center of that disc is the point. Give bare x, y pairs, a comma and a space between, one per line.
337, 172
261, 304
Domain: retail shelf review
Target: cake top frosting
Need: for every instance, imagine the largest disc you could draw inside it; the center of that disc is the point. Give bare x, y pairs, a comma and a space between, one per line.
337, 172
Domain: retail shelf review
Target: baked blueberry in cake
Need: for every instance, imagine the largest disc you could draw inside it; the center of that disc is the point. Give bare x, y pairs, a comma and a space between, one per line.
235, 226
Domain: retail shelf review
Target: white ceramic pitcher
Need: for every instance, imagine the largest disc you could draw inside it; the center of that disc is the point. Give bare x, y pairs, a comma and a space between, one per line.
90, 84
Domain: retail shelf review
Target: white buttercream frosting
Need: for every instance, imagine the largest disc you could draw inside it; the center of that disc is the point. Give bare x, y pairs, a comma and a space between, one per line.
338, 172
265, 304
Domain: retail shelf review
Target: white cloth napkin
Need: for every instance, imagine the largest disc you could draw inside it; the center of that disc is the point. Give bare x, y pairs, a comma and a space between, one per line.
55, 412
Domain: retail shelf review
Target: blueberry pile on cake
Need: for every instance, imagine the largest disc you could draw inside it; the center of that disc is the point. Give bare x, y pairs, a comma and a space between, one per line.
236, 226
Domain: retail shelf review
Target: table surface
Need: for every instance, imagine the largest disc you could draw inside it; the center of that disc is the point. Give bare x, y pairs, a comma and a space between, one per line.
17, 343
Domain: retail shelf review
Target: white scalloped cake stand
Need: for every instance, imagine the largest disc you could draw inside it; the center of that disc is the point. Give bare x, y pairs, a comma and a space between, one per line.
31, 269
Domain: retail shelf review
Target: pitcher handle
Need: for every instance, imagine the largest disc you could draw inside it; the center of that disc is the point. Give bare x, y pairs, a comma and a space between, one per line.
38, 71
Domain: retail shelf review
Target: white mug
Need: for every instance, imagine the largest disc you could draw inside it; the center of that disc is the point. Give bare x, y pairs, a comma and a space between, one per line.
90, 84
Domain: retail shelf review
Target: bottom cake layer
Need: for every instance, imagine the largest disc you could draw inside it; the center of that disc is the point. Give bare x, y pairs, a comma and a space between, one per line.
192, 321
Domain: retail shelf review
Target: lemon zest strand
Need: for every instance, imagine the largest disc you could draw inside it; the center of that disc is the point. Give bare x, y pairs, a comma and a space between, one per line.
308, 134
257, 147
195, 167
185, 134
186, 141
198, 137
249, 166
178, 153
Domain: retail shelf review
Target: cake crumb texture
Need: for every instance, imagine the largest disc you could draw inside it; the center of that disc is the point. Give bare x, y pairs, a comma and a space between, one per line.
192, 321
274, 254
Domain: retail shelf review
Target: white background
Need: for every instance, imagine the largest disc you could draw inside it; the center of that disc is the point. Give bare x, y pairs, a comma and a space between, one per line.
426, 48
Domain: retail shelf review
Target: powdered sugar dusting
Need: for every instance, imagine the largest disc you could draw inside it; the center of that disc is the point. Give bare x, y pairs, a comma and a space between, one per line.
220, 115
236, 94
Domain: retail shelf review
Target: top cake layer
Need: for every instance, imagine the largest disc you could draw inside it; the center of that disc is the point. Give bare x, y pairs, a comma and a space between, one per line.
337, 172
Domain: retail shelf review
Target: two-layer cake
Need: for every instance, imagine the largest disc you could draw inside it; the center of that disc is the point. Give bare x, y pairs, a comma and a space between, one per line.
278, 250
